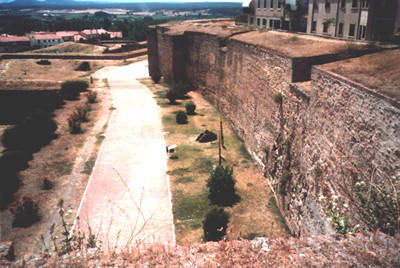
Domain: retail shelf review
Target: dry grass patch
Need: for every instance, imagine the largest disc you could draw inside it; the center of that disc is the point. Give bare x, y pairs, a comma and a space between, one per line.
297, 45
27, 74
190, 166
72, 48
379, 71
59, 162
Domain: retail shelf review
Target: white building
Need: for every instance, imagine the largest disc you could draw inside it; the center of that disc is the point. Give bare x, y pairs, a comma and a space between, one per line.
44, 39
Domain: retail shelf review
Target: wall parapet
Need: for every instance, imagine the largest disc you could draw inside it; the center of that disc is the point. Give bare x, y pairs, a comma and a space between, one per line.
334, 126
392, 101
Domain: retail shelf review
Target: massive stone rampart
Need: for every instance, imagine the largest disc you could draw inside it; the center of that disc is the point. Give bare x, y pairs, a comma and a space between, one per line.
312, 143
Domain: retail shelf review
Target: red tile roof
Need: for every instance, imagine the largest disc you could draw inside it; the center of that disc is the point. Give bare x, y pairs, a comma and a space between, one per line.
45, 36
13, 38
94, 31
78, 37
67, 33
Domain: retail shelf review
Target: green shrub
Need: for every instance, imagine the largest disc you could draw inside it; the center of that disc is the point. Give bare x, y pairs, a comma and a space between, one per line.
84, 66
181, 88
33, 133
156, 78
74, 123
190, 108
181, 117
221, 187
47, 184
278, 98
91, 97
70, 89
26, 211
171, 96
43, 62
82, 112
380, 204
215, 224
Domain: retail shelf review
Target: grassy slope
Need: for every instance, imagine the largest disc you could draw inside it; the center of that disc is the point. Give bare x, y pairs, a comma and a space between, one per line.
256, 213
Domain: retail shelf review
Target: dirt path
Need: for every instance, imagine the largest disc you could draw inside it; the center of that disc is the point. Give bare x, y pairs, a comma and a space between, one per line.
127, 201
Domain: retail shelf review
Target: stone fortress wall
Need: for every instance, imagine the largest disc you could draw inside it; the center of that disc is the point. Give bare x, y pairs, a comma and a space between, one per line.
317, 142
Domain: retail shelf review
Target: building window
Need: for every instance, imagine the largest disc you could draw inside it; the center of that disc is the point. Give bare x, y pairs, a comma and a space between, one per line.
315, 8
313, 26
364, 3
340, 33
251, 20
271, 4
258, 3
326, 25
354, 3
265, 3
271, 23
279, 3
258, 21
327, 7
352, 29
362, 32
277, 24
265, 22
342, 3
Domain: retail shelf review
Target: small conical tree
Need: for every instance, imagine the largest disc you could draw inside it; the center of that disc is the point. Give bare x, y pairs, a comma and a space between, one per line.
221, 187
215, 224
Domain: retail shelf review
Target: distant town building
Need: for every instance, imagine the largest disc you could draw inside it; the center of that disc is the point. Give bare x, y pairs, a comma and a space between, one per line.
44, 39
79, 37
99, 33
274, 14
67, 36
14, 43
346, 19
93, 33
115, 34
354, 19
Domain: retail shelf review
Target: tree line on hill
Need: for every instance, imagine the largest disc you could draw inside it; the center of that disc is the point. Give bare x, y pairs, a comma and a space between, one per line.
131, 29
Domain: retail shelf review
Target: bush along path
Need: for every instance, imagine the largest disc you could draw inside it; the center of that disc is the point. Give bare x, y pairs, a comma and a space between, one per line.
186, 115
45, 163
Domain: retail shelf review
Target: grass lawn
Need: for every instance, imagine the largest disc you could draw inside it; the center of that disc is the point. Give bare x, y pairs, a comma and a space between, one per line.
190, 166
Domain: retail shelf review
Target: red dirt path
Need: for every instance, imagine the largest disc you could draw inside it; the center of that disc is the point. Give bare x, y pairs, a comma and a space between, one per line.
127, 201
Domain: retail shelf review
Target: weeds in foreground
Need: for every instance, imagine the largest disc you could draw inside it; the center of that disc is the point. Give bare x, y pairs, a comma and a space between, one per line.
380, 204
91, 97
63, 167
89, 165
25, 212
77, 240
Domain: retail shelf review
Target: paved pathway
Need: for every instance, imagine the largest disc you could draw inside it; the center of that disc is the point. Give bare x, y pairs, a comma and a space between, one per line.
127, 200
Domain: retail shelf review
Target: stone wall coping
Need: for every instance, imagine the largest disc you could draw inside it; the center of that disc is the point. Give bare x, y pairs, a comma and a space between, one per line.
262, 48
395, 103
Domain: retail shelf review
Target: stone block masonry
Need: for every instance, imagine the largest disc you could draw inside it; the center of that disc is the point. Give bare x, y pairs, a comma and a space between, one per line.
316, 142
